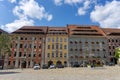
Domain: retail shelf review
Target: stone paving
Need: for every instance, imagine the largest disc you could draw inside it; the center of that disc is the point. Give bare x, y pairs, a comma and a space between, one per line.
100, 73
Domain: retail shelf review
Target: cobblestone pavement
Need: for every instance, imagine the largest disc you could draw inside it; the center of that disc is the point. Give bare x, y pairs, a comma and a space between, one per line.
100, 73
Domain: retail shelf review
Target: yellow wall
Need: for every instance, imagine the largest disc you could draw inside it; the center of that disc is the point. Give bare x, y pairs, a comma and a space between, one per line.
55, 59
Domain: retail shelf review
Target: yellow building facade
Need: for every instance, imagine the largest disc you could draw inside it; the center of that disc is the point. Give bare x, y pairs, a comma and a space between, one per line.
57, 46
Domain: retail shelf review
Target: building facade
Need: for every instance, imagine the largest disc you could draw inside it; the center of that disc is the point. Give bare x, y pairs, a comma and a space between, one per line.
113, 41
87, 44
63, 45
27, 47
57, 46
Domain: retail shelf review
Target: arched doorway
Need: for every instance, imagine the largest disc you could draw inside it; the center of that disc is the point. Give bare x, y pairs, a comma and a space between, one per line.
24, 64
58, 63
50, 63
65, 63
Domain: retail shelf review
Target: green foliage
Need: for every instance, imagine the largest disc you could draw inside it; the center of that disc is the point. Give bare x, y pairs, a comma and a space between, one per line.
5, 44
117, 53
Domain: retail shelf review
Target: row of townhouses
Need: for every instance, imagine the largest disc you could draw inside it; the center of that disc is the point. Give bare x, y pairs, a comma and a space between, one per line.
63, 45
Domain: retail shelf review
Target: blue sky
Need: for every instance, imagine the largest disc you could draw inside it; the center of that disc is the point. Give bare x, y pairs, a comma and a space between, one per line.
17, 13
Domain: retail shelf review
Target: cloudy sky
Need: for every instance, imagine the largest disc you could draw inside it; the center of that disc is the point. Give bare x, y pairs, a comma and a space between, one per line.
17, 13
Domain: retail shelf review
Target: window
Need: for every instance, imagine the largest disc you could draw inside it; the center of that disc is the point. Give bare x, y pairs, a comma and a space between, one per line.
60, 39
39, 55
65, 55
92, 42
34, 55
15, 54
110, 54
71, 49
56, 46
14, 63
81, 50
20, 54
52, 46
65, 46
93, 49
80, 42
48, 46
24, 55
40, 46
97, 42
52, 54
25, 45
113, 47
20, 45
40, 38
104, 50
109, 47
65, 40
98, 50
30, 46
60, 46
29, 55
75, 49
25, 38
48, 39
86, 42
60, 54
8, 62
103, 42
15, 45
52, 39
48, 55
34, 46
112, 40
56, 54
75, 42
21, 38
57, 39
71, 42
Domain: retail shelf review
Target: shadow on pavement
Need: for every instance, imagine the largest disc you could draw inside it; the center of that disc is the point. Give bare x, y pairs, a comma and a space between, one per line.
3, 73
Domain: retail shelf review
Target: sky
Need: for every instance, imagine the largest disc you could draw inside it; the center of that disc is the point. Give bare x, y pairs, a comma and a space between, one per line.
15, 14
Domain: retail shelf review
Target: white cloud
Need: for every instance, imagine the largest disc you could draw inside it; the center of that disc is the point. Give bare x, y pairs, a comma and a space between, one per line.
12, 1
71, 2
107, 15
58, 2
26, 10
84, 4
83, 10
31, 9
10, 27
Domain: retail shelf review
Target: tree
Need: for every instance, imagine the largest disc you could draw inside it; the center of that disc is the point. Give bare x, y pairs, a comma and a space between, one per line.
117, 53
5, 45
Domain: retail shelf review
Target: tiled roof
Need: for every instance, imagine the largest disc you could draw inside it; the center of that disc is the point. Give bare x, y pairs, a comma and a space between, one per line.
57, 30
85, 30
32, 29
111, 31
